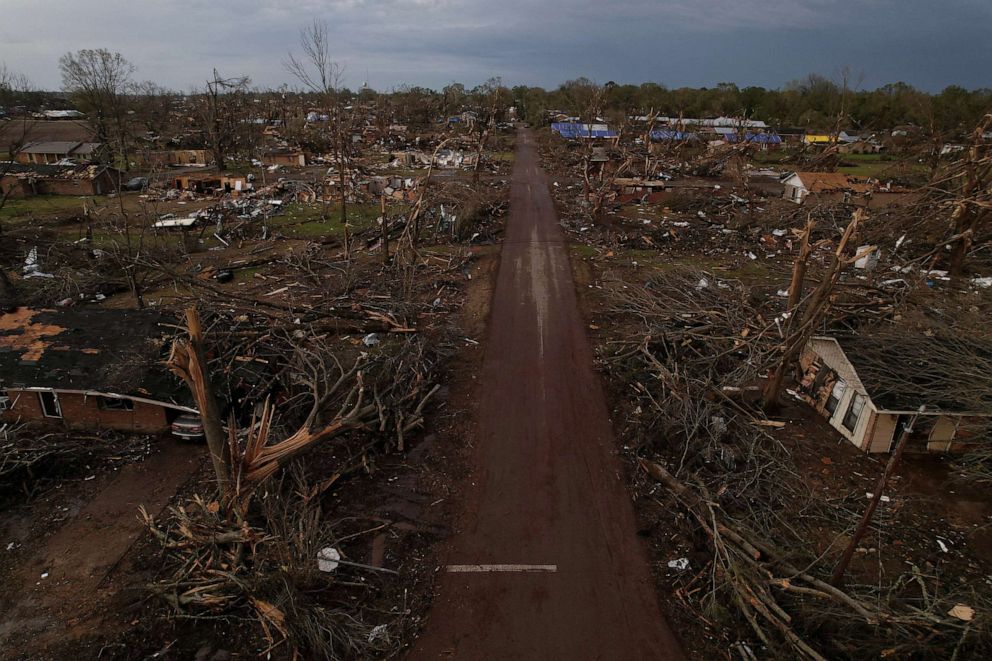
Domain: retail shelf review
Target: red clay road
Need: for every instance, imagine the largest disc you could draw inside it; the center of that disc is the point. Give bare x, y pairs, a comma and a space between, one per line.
547, 487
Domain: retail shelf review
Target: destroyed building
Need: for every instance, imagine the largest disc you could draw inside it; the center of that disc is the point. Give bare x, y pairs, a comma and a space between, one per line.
870, 401
289, 157
176, 158
88, 368
20, 181
212, 183
800, 185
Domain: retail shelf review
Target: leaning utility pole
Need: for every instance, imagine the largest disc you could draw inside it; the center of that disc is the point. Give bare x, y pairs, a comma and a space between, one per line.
837, 579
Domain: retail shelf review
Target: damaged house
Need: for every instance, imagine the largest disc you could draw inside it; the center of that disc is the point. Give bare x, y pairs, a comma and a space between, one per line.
177, 158
88, 368
287, 157
824, 186
868, 389
20, 181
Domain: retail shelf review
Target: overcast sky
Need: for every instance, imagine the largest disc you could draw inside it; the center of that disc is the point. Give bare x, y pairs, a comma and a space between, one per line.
928, 43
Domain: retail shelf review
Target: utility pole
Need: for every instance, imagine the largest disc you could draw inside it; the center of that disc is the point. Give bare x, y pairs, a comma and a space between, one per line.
837, 579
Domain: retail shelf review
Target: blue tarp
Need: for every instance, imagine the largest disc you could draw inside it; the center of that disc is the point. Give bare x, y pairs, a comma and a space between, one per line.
572, 131
664, 135
762, 138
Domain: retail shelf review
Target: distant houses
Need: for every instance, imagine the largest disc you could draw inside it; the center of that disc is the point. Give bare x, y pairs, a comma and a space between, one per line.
48, 153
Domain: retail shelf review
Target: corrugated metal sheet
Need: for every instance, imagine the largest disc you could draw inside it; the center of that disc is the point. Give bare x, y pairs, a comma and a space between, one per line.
758, 138
574, 131
666, 135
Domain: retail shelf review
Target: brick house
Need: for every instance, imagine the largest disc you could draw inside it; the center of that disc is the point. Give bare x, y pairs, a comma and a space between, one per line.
47, 153
88, 368
21, 180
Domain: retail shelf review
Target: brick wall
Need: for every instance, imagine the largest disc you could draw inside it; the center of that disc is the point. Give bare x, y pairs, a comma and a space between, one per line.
81, 411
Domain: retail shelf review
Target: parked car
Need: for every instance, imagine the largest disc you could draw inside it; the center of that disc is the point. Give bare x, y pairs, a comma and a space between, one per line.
137, 183
188, 427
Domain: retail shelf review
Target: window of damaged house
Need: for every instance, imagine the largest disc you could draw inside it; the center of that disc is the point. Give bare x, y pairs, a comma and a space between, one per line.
50, 404
835, 396
115, 403
854, 412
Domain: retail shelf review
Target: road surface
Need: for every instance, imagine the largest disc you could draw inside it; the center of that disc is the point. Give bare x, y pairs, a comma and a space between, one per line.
546, 563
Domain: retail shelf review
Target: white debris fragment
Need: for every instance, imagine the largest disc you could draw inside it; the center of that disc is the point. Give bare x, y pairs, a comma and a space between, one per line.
679, 564
32, 269
371, 340
378, 632
327, 559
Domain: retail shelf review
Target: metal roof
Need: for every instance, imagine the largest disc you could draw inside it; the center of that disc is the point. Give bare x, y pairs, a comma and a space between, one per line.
60, 147
573, 131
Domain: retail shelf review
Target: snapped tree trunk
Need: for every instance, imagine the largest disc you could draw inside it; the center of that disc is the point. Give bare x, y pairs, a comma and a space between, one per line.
384, 229
815, 310
344, 194
188, 361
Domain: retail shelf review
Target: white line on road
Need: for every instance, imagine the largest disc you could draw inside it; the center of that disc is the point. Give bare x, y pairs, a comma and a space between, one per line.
504, 568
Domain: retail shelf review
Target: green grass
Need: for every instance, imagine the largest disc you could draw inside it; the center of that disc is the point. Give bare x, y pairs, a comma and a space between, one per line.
879, 166
771, 157
304, 220
43, 205
246, 274
584, 250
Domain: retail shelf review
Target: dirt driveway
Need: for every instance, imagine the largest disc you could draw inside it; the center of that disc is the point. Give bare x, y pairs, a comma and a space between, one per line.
62, 592
545, 563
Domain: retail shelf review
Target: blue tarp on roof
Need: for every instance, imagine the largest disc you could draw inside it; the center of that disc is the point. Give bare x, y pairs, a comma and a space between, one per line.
664, 135
761, 138
573, 131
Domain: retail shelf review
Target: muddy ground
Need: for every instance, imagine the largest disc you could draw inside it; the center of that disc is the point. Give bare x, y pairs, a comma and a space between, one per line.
81, 557
935, 522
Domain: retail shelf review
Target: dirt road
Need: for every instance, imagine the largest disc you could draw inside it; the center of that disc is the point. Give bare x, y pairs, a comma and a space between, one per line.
546, 563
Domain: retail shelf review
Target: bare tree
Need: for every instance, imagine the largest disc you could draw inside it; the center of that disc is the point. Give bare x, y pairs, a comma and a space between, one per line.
12, 85
222, 114
99, 82
974, 201
803, 326
318, 73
